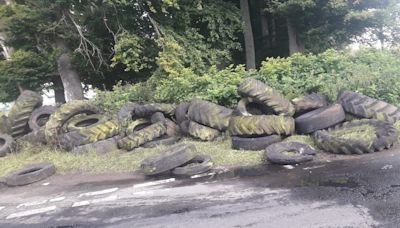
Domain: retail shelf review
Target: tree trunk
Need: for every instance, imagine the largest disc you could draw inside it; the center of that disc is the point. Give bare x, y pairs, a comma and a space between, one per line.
68, 74
295, 44
248, 35
265, 30
59, 93
6, 50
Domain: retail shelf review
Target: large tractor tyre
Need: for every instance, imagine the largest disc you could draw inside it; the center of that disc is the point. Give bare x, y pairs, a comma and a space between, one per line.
248, 107
35, 138
181, 112
4, 124
169, 159
199, 164
289, 153
163, 140
146, 110
320, 119
385, 136
57, 120
202, 132
261, 125
142, 136
254, 143
127, 111
184, 127
7, 144
309, 102
209, 114
367, 107
40, 116
21, 111
135, 125
263, 94
85, 121
100, 147
30, 174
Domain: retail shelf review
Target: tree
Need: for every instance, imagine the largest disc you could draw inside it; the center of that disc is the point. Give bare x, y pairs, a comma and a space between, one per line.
248, 35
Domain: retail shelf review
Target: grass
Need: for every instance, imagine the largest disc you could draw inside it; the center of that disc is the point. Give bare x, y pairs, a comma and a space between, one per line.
120, 161
364, 133
306, 139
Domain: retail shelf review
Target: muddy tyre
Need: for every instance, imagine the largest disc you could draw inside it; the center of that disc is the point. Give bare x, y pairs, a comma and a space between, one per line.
162, 141
263, 94
385, 136
169, 159
261, 125
35, 138
289, 153
247, 107
199, 164
367, 107
127, 111
21, 111
4, 124
6, 144
202, 132
142, 136
255, 143
209, 114
136, 125
320, 119
101, 147
181, 112
184, 126
30, 174
309, 102
85, 121
146, 110
40, 116
57, 120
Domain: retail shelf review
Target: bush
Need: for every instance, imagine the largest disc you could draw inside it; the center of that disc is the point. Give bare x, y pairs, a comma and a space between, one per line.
372, 72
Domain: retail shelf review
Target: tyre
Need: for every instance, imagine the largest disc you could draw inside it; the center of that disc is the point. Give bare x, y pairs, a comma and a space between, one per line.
289, 153
4, 124
30, 174
142, 136
199, 164
257, 143
309, 102
21, 111
248, 107
184, 126
127, 111
85, 121
101, 147
164, 141
209, 114
267, 96
320, 119
354, 138
40, 116
172, 128
367, 107
202, 132
57, 120
146, 110
6, 144
169, 159
181, 112
261, 125
157, 117
136, 125
35, 137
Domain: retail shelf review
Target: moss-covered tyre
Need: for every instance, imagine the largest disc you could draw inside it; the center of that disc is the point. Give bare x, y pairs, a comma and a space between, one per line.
309, 102
254, 143
357, 137
267, 96
21, 111
209, 114
202, 132
57, 120
6, 144
169, 159
101, 147
320, 119
248, 107
289, 153
136, 125
146, 110
157, 117
4, 124
181, 112
89, 134
40, 116
36, 137
163, 140
30, 174
261, 125
199, 164
367, 107
142, 136
85, 121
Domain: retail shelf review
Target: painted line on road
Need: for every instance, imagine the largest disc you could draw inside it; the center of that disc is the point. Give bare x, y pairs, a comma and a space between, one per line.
31, 212
314, 167
288, 167
2, 207
202, 175
57, 199
34, 203
96, 193
153, 183
80, 203
105, 199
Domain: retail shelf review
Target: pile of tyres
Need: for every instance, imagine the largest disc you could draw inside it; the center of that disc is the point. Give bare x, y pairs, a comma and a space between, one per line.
262, 119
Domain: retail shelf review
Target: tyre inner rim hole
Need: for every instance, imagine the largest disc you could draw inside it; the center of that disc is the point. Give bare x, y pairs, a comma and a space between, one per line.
42, 119
29, 171
291, 153
2, 142
87, 122
257, 109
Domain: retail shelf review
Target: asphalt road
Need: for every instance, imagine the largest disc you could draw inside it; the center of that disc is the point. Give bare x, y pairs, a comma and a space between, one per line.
360, 192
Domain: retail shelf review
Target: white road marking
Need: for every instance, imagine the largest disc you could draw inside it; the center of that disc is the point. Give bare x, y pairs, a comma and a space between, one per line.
80, 203
1, 208
105, 199
57, 199
202, 175
288, 167
35, 203
153, 183
45, 184
31, 212
105, 191
143, 193
387, 167
314, 167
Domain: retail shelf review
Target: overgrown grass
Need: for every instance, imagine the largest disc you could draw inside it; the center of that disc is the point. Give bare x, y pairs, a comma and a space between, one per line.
120, 161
